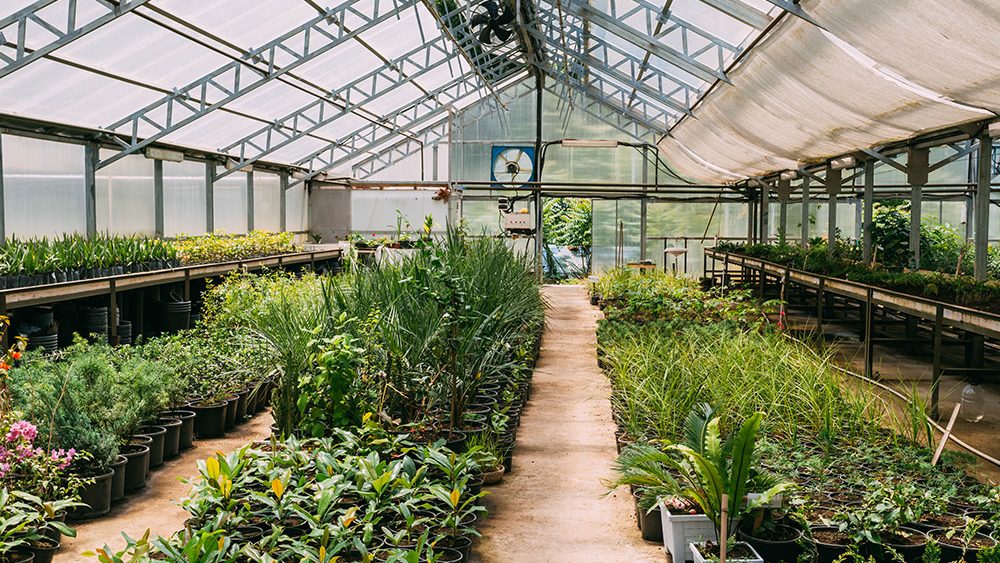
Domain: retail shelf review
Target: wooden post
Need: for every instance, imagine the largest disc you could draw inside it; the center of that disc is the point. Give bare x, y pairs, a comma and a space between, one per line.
724, 528
947, 434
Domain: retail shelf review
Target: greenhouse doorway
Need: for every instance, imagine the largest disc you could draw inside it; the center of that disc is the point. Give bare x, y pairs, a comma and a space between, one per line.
567, 236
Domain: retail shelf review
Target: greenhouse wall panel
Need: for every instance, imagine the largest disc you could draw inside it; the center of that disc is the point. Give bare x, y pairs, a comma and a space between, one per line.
44, 187
184, 198
126, 196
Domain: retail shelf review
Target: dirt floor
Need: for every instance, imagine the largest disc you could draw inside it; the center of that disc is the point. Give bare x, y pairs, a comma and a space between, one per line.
155, 507
552, 507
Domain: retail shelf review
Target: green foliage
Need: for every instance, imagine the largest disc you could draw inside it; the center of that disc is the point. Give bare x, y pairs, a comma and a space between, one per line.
79, 252
329, 394
216, 247
92, 398
568, 222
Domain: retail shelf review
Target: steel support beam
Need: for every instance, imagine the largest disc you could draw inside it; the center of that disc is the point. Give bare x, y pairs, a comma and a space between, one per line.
371, 136
340, 102
3, 220
228, 82
917, 170
805, 211
984, 175
158, 198
834, 177
92, 153
740, 11
784, 193
60, 22
648, 40
869, 224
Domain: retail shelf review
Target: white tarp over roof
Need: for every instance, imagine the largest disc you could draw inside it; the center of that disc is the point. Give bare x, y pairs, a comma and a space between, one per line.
876, 72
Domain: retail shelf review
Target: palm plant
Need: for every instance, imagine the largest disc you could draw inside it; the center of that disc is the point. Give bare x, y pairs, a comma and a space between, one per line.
704, 469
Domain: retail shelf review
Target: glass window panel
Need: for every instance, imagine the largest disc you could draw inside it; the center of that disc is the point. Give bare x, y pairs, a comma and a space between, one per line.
230, 202
126, 198
184, 198
44, 187
297, 208
266, 201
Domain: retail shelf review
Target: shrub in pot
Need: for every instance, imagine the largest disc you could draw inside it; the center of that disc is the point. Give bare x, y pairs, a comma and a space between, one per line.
962, 544
877, 527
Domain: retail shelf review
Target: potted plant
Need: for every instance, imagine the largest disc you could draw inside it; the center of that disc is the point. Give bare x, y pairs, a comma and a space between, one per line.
705, 469
964, 543
877, 527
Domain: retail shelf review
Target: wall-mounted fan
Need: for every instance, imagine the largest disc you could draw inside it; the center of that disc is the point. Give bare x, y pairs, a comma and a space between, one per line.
512, 166
492, 22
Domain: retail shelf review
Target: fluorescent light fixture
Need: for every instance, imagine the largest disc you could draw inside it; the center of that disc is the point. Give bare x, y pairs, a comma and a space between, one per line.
994, 129
589, 143
298, 175
156, 153
789, 175
842, 162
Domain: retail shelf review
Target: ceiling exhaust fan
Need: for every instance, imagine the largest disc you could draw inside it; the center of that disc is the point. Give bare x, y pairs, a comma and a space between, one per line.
492, 25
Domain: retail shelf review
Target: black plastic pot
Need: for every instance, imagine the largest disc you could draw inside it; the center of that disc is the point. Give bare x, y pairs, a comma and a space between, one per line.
777, 551
172, 439
241, 406
209, 420
51, 531
455, 441
137, 466
827, 552
43, 550
651, 526
176, 316
48, 342
911, 553
97, 497
954, 553
186, 433
17, 557
231, 404
118, 479
158, 434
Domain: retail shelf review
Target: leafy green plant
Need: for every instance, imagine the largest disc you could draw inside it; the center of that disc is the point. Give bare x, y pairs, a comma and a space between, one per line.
327, 393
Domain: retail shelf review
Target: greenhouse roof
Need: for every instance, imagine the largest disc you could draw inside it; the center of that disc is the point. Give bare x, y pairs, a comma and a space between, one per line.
733, 88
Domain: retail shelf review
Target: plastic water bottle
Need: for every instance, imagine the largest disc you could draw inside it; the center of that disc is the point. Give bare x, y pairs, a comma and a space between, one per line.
972, 403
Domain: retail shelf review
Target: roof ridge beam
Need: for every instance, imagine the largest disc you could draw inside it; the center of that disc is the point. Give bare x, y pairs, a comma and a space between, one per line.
645, 40
304, 43
339, 102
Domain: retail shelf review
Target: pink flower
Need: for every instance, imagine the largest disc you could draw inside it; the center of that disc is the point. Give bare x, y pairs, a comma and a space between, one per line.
22, 429
64, 457
4, 468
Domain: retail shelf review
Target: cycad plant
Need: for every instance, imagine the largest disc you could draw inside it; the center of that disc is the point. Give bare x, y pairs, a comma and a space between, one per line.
703, 469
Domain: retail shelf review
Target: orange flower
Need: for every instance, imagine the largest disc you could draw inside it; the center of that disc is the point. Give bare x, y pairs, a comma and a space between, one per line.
4, 366
16, 355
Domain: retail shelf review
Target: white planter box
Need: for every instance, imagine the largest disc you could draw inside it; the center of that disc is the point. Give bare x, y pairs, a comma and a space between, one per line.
699, 559
681, 530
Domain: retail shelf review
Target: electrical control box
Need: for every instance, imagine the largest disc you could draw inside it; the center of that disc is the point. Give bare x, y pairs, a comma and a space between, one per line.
519, 223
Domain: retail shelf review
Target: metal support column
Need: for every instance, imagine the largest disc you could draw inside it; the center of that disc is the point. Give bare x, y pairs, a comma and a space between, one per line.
434, 164
834, 178
93, 155
805, 211
158, 197
283, 200
643, 207
784, 191
984, 174
765, 208
250, 225
917, 169
210, 196
866, 231
539, 101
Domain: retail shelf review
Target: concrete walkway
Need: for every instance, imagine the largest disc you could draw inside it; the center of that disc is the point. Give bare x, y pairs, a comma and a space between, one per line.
551, 507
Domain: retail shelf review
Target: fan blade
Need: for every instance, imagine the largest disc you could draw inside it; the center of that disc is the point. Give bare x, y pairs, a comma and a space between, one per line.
479, 19
484, 36
501, 33
492, 8
506, 17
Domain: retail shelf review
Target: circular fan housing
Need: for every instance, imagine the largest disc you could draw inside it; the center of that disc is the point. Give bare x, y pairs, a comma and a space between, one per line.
513, 165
